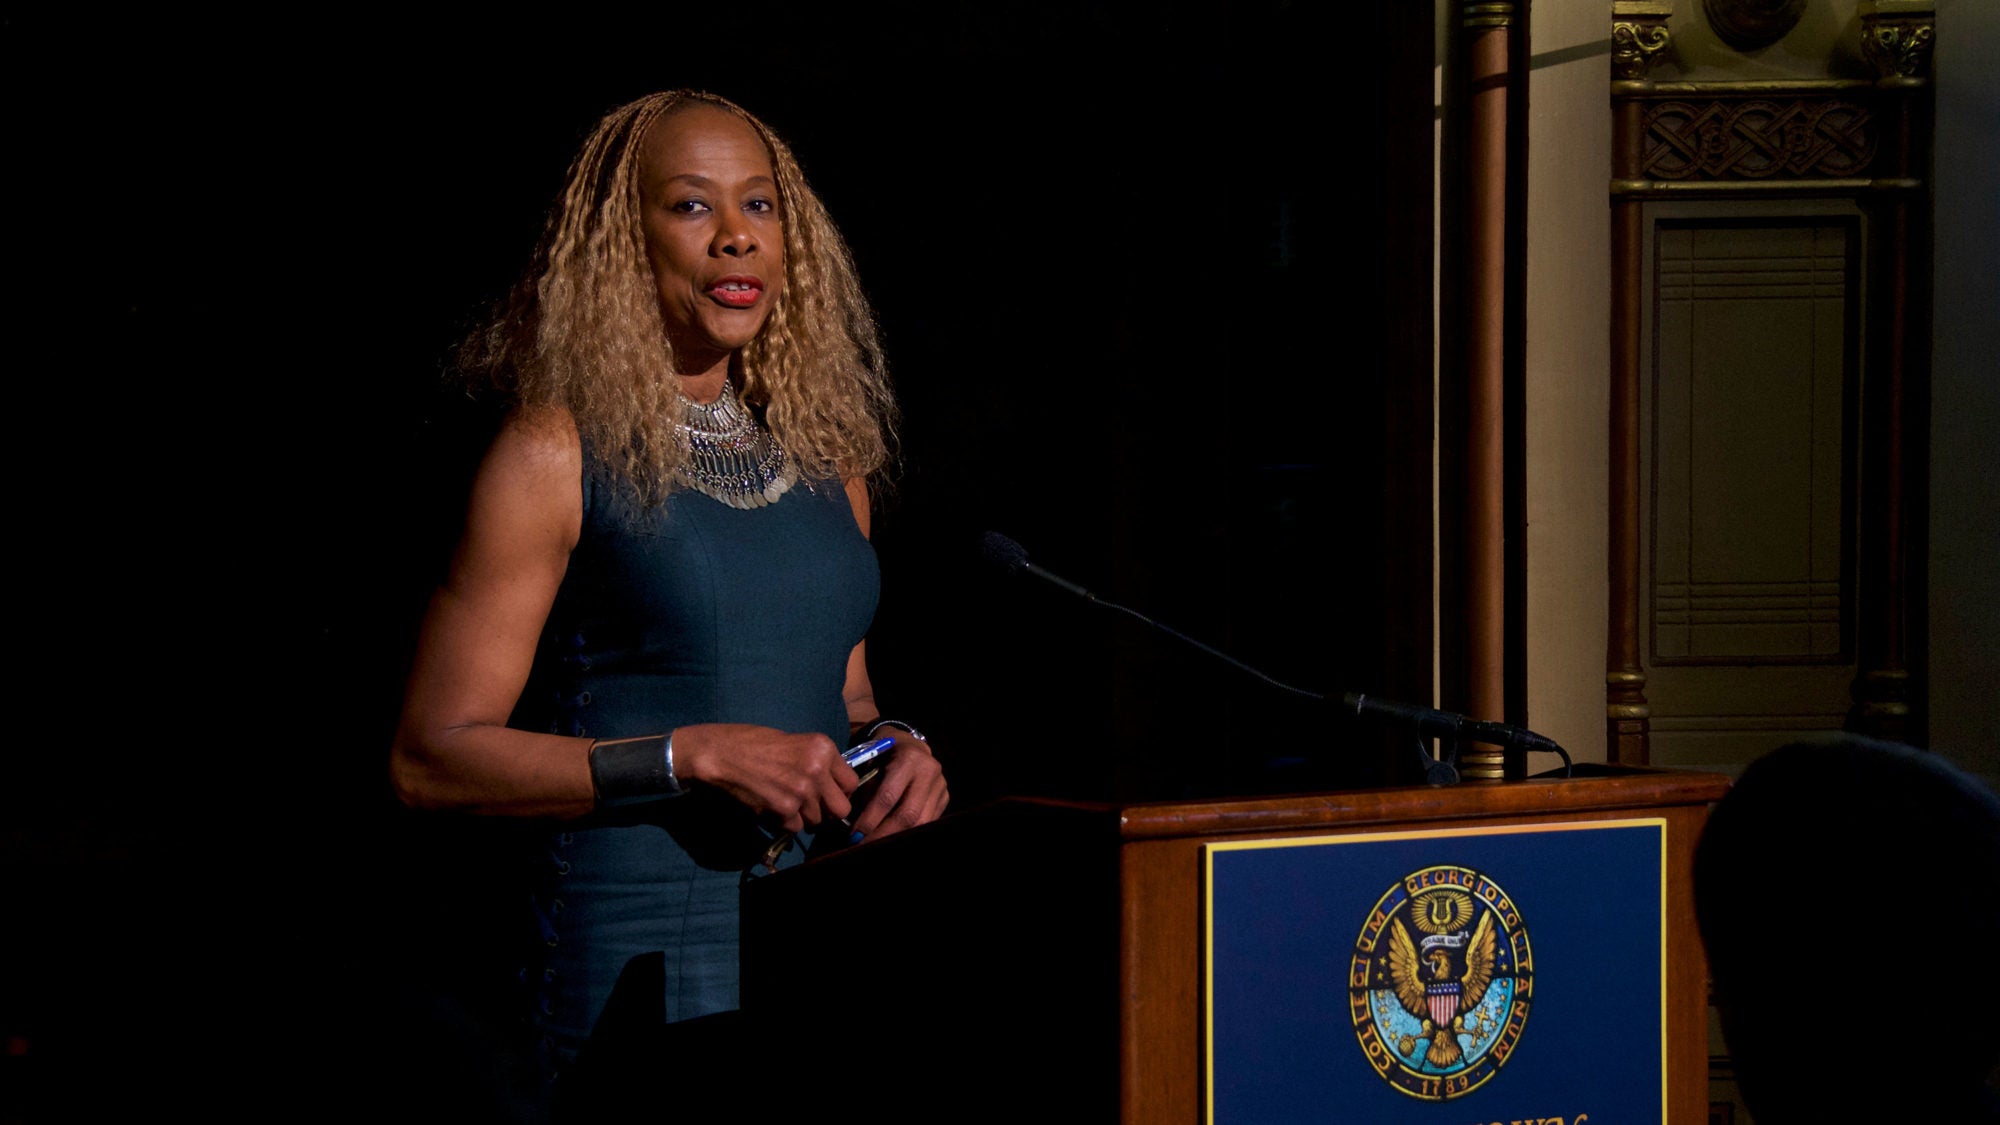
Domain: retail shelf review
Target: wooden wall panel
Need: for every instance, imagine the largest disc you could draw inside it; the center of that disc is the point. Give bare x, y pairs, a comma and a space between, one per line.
1768, 367
1748, 443
1749, 524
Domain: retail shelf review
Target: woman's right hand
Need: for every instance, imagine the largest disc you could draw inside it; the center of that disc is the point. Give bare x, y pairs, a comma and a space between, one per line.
794, 780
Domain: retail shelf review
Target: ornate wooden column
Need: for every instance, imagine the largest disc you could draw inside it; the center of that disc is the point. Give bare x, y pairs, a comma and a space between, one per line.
1486, 31
1638, 36
1896, 38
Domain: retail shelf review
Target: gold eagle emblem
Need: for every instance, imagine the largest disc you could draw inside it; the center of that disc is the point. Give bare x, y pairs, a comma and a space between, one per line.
1425, 984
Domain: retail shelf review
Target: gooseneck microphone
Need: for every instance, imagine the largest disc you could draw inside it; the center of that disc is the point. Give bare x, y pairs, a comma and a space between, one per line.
1431, 723
1425, 722
1013, 558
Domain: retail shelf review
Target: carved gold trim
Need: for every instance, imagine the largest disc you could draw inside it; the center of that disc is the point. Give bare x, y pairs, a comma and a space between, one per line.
1639, 36
1635, 47
1896, 39
1482, 765
1763, 87
1881, 702
1898, 47
1488, 14
1620, 679
1659, 189
1628, 711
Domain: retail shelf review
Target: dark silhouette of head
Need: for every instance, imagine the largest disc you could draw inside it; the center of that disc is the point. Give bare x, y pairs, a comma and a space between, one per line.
1849, 898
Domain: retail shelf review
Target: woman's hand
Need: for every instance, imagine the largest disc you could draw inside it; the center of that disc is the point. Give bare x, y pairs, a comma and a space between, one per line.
790, 779
912, 790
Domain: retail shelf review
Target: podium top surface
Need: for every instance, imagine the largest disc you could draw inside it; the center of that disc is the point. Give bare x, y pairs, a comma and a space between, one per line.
1624, 789
1015, 826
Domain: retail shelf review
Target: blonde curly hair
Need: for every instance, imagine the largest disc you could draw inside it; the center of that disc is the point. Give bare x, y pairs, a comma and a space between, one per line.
582, 330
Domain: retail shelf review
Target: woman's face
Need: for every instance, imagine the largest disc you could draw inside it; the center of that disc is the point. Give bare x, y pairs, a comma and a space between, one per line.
713, 233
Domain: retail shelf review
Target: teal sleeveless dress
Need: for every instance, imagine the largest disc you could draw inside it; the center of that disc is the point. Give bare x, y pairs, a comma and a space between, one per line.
694, 612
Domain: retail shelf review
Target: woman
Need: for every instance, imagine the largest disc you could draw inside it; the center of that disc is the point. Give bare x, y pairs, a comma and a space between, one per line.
651, 630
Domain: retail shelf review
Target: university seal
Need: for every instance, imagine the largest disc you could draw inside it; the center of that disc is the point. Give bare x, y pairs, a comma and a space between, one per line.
1440, 982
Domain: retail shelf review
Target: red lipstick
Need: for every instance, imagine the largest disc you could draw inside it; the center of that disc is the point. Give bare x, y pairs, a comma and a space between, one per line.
737, 290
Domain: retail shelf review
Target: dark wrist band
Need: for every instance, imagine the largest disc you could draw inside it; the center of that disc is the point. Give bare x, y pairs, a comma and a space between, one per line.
627, 771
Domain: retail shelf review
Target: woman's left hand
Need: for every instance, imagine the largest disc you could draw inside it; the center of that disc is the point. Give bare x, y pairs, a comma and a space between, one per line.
911, 791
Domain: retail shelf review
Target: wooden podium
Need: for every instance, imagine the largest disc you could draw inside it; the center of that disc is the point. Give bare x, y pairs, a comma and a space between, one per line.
1044, 961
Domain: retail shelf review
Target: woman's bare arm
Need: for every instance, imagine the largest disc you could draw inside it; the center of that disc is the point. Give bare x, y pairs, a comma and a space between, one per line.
913, 789
453, 749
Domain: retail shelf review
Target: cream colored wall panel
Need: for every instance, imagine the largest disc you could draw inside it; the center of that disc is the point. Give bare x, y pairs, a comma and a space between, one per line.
1824, 44
1728, 751
1567, 395
1964, 612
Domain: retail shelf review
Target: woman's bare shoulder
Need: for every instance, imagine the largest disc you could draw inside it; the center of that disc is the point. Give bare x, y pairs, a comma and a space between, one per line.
530, 483
857, 502
539, 440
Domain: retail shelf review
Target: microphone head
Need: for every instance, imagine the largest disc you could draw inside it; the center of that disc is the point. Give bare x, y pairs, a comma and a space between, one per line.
1002, 552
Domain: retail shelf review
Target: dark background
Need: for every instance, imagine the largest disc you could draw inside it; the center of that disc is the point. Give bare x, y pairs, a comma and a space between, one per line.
1154, 284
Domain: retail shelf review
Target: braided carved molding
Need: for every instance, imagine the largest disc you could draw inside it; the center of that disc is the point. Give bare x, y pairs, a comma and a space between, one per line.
1756, 138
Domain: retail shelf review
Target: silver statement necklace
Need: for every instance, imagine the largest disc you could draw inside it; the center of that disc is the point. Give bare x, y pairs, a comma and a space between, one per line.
731, 456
